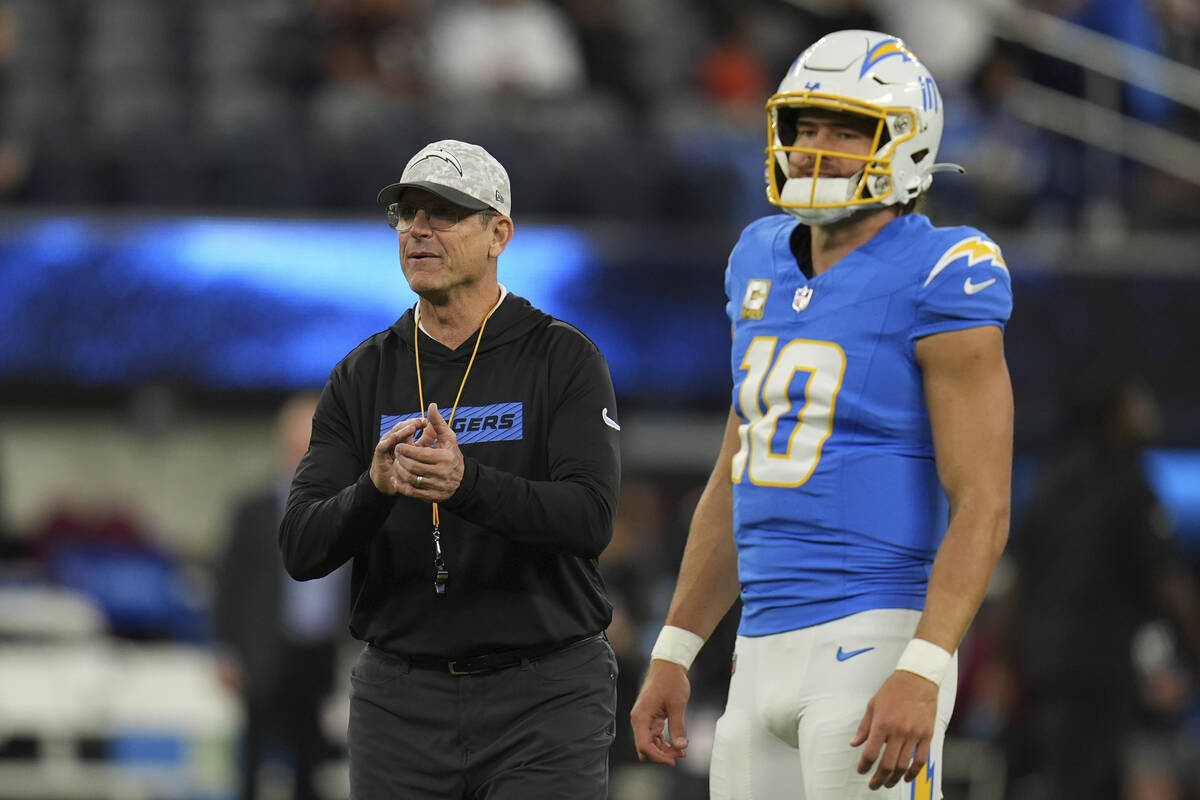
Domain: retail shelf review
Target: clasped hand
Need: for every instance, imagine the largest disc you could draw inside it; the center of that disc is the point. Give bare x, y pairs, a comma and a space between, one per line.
427, 468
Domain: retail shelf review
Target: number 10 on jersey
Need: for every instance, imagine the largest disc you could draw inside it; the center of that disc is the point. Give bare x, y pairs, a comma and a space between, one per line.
804, 372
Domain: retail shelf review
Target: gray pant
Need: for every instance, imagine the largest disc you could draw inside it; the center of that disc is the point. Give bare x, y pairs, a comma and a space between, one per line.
538, 730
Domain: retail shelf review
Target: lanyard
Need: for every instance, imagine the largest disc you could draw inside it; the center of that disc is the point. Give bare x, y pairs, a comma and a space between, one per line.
441, 574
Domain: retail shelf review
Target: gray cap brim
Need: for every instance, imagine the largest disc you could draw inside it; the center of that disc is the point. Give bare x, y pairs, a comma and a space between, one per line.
391, 194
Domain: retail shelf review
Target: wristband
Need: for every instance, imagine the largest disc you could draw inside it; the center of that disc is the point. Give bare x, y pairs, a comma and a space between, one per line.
677, 645
925, 659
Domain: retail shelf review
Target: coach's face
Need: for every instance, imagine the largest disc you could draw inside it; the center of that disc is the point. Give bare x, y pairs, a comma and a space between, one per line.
444, 247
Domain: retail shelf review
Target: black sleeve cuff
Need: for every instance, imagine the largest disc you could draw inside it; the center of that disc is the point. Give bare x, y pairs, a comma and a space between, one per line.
466, 486
369, 496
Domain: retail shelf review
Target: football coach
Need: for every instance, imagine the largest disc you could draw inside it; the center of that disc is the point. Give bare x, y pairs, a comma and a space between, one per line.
466, 460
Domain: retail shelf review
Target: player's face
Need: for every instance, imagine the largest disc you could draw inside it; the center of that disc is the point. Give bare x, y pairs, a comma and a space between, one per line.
830, 131
438, 253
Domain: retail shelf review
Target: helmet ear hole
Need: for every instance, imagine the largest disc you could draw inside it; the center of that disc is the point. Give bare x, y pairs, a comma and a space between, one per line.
919, 155
785, 125
780, 176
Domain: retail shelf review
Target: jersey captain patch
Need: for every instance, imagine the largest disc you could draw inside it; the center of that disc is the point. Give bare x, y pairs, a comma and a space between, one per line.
498, 422
755, 298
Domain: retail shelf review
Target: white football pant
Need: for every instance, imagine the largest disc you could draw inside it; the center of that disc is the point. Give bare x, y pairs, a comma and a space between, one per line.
795, 702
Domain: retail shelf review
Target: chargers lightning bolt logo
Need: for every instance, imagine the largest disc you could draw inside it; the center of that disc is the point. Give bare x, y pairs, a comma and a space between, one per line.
922, 786
444, 155
976, 250
885, 49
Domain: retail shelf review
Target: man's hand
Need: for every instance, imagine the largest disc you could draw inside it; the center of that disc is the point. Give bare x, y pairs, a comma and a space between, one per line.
901, 716
431, 468
659, 709
384, 473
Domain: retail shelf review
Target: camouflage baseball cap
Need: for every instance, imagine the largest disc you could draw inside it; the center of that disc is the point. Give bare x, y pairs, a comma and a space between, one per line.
464, 174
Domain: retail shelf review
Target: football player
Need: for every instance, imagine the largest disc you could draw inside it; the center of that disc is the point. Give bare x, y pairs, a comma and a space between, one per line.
861, 497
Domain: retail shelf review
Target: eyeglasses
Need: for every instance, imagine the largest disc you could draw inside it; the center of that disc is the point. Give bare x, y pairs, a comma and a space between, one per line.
401, 216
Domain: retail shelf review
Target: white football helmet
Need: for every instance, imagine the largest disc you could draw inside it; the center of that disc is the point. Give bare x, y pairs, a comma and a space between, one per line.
873, 75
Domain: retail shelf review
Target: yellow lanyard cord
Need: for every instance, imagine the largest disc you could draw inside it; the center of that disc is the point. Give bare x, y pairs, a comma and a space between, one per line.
461, 386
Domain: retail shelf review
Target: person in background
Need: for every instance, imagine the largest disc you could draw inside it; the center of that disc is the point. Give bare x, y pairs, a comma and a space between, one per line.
1096, 564
466, 460
514, 48
632, 569
861, 496
279, 639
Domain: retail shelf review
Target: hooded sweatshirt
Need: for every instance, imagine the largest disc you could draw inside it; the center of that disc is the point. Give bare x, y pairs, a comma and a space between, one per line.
521, 535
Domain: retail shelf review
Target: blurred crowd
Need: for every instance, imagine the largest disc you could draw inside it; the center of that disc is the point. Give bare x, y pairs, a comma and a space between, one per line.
600, 108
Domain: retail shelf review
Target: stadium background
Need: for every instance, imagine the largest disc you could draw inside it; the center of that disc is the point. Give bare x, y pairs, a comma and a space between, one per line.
188, 235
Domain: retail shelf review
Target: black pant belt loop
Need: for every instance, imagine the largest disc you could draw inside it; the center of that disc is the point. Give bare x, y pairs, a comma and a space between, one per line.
492, 662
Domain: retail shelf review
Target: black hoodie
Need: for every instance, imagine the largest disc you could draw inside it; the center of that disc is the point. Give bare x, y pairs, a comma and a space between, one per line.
521, 536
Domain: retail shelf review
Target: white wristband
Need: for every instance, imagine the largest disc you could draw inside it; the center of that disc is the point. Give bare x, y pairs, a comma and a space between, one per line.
925, 659
678, 645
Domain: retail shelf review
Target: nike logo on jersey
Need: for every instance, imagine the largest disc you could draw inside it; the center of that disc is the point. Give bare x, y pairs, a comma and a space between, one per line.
975, 249
843, 655
609, 421
972, 288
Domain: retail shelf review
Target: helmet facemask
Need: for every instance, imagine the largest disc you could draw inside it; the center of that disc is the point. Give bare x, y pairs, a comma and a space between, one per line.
821, 200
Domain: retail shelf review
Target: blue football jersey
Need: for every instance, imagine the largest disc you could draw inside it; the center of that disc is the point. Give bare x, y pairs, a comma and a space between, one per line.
836, 501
